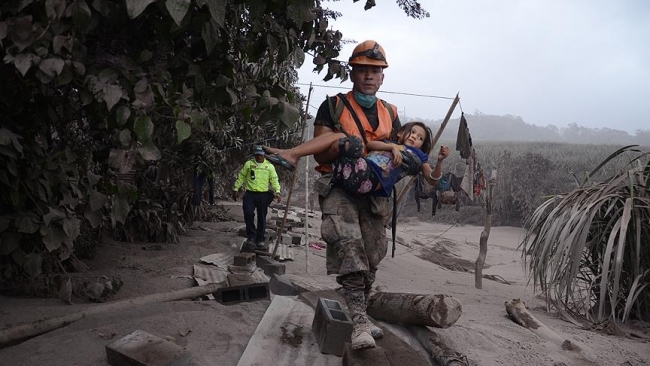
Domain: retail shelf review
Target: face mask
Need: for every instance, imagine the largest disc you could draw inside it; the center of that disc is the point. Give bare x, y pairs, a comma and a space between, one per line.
364, 100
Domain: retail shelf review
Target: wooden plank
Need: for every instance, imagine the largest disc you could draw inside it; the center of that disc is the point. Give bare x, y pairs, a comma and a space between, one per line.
284, 337
312, 283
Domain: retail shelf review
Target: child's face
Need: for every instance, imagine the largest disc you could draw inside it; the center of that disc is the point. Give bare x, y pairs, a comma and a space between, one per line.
416, 137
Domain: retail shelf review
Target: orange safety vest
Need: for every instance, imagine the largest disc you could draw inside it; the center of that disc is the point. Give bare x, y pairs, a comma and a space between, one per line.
349, 125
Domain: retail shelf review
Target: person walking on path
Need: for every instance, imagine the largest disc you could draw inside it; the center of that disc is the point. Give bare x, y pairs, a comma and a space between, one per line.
353, 224
256, 175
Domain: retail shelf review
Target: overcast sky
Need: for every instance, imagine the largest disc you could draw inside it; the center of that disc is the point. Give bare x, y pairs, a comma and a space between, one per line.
547, 61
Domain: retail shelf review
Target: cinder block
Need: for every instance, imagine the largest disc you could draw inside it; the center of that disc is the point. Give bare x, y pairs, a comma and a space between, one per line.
286, 239
244, 259
247, 293
296, 240
275, 268
143, 349
369, 356
281, 285
332, 326
270, 266
239, 279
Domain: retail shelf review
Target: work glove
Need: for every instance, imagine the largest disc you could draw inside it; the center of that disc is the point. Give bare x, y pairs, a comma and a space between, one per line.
411, 164
235, 195
278, 197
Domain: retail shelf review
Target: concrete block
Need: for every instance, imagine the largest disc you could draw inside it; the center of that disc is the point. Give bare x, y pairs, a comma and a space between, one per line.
296, 240
332, 326
143, 349
244, 259
285, 252
281, 285
369, 356
246, 293
270, 266
275, 268
286, 239
238, 279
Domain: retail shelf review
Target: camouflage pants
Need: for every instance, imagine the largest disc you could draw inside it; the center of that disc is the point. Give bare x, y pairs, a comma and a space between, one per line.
353, 228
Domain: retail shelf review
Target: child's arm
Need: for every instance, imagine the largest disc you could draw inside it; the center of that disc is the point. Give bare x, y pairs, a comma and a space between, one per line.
433, 174
384, 146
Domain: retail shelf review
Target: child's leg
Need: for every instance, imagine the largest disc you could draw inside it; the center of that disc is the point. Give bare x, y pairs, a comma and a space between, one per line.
319, 144
354, 175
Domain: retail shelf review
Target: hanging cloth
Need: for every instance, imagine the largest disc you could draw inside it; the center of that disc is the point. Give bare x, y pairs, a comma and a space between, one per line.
464, 139
467, 185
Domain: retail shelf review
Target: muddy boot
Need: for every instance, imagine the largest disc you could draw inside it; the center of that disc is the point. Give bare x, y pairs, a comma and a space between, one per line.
361, 337
375, 331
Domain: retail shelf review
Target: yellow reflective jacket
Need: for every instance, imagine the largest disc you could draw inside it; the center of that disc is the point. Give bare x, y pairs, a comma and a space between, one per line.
264, 174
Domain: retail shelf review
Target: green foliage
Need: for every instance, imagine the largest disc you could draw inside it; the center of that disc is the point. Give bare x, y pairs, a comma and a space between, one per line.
588, 249
133, 81
107, 108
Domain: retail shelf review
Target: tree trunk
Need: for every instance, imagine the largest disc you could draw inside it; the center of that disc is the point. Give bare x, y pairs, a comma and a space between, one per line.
18, 332
520, 315
482, 252
440, 311
487, 225
433, 343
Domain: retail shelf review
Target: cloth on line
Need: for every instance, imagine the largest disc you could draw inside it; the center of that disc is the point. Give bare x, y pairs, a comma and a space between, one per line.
464, 139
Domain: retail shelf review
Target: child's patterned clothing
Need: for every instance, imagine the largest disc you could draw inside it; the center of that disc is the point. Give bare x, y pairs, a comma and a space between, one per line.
375, 173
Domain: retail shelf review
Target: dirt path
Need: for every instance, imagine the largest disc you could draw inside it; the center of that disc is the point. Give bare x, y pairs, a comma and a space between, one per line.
218, 335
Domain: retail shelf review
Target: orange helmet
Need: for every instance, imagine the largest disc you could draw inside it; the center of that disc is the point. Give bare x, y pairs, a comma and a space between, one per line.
368, 53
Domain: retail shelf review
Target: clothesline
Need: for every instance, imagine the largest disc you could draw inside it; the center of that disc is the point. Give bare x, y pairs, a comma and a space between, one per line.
316, 108
389, 92
381, 91
258, 142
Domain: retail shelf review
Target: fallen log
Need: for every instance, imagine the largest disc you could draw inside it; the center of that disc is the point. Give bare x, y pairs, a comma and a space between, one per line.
437, 348
14, 333
517, 311
440, 311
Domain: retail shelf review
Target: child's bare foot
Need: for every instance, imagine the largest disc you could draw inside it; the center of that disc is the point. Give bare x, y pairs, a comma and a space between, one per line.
280, 157
272, 150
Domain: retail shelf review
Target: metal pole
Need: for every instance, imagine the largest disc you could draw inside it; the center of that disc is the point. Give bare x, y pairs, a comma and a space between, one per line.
307, 207
293, 182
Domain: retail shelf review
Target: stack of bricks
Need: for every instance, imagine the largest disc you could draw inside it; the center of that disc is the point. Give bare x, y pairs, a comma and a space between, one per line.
294, 226
245, 282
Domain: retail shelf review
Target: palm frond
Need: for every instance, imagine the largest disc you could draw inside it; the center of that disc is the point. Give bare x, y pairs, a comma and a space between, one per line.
589, 249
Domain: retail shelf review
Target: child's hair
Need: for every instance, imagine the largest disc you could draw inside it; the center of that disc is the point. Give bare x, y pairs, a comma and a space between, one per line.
427, 144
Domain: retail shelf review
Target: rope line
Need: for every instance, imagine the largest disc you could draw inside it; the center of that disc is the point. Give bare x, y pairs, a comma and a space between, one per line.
258, 142
239, 147
382, 91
